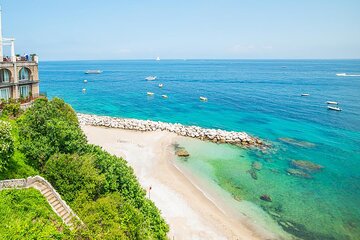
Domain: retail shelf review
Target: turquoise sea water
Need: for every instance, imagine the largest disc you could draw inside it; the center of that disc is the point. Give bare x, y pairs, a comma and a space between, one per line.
261, 98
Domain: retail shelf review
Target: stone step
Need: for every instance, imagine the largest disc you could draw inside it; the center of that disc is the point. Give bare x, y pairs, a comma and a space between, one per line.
62, 212
45, 191
48, 194
52, 199
58, 207
65, 216
68, 219
55, 204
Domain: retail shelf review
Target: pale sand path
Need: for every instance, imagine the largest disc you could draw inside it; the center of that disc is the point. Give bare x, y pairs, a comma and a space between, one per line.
190, 214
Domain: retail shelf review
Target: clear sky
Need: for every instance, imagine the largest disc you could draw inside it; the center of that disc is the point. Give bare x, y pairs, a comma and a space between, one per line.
142, 29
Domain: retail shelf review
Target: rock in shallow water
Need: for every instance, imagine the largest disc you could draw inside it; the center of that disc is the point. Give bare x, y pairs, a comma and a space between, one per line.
256, 165
296, 142
181, 152
266, 198
298, 173
306, 165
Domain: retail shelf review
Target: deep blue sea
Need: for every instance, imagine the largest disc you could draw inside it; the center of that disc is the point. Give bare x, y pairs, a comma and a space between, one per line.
261, 97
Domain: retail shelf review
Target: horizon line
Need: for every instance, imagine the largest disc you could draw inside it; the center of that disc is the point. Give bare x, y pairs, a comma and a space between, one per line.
192, 59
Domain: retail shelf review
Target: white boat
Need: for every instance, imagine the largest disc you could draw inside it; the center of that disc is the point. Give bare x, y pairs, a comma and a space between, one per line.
93, 71
158, 59
334, 108
84, 90
341, 74
161, 85
347, 75
331, 102
151, 78
164, 96
85, 81
305, 94
150, 93
203, 98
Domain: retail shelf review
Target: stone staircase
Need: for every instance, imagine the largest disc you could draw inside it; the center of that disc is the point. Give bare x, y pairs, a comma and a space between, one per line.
54, 199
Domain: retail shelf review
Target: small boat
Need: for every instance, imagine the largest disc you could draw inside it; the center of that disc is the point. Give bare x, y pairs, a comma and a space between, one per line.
150, 93
161, 85
85, 81
84, 90
151, 78
164, 96
331, 102
283, 66
203, 99
158, 59
305, 94
93, 72
347, 75
341, 74
334, 108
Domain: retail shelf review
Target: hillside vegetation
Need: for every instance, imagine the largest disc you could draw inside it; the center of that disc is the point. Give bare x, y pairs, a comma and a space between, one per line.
101, 188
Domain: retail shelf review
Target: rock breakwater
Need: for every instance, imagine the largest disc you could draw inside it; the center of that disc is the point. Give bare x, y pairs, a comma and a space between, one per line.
214, 135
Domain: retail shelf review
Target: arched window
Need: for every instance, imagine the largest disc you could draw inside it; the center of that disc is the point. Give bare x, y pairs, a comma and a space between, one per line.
5, 75
24, 74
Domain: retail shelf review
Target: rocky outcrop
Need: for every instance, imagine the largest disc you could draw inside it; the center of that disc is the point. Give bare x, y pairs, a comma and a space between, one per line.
213, 135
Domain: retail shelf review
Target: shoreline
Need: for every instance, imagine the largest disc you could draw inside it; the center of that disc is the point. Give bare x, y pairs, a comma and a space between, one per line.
241, 139
186, 203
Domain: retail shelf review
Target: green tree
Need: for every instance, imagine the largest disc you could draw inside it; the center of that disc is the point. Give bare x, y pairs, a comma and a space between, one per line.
49, 127
72, 175
6, 144
11, 108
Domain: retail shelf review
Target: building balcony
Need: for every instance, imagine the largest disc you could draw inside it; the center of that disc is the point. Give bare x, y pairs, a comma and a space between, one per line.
20, 82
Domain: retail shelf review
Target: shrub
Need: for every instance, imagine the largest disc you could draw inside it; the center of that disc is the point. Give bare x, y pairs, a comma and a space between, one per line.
49, 127
73, 174
6, 144
11, 108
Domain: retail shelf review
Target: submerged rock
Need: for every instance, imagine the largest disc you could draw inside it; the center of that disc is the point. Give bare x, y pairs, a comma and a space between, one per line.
266, 198
181, 152
298, 173
256, 165
306, 165
297, 142
253, 173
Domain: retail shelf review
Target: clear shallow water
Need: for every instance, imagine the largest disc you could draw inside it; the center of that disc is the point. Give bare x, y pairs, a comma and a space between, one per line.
260, 97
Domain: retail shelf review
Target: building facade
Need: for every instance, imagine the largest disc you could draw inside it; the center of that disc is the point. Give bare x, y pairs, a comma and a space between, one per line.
19, 76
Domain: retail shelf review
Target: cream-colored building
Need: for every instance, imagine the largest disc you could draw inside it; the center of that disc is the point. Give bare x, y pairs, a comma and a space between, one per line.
19, 76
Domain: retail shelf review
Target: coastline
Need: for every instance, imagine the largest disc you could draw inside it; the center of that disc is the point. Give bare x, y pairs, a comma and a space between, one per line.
192, 209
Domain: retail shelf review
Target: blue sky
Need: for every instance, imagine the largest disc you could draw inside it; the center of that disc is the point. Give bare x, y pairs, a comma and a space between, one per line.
142, 29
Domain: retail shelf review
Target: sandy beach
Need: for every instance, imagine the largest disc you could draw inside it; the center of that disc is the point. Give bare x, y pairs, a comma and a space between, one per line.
190, 211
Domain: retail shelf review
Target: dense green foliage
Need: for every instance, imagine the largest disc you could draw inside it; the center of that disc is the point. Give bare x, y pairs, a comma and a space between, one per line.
49, 127
25, 214
73, 174
101, 188
10, 108
6, 144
